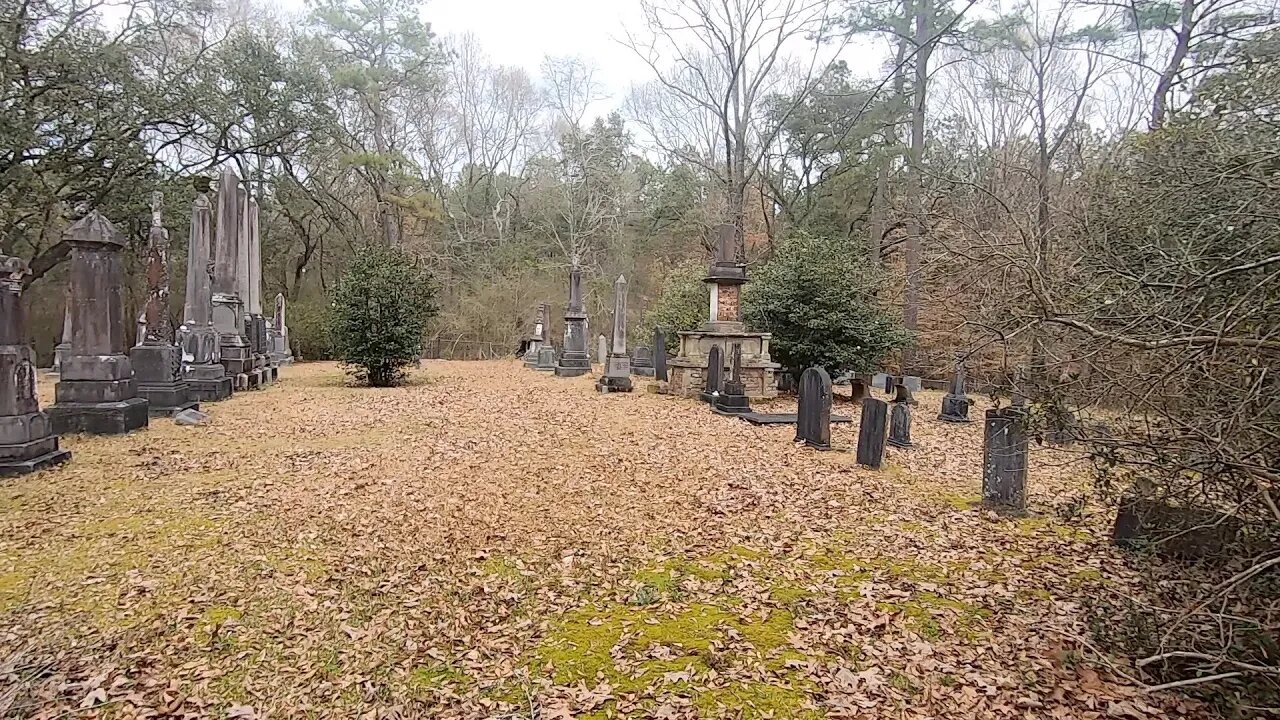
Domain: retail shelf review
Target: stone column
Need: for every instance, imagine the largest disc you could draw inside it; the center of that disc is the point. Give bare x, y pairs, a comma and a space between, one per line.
659, 354
207, 379
725, 280
97, 393
617, 374
574, 360
261, 340
157, 360
26, 440
538, 336
280, 352
245, 280
228, 306
60, 350
602, 349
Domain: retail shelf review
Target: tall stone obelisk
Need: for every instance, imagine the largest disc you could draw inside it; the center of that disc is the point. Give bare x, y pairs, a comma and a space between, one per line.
574, 360
157, 360
228, 305
96, 392
257, 323
202, 368
26, 440
617, 373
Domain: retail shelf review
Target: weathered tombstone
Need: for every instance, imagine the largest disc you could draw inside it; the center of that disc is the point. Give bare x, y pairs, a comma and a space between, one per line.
883, 381
260, 373
228, 305
546, 358
574, 360
660, 354
202, 368
955, 404
27, 442
278, 331
890, 381
157, 361
642, 361
63, 347
813, 416
732, 399
871, 433
617, 374
714, 376
857, 389
96, 393
900, 424
1173, 531
912, 383
1004, 462
602, 349
140, 327
538, 337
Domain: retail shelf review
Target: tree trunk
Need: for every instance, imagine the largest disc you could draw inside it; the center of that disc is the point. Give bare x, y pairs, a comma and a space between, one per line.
1182, 45
915, 218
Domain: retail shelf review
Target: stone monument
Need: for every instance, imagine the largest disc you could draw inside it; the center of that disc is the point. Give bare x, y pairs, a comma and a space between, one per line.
724, 327
617, 372
871, 433
538, 336
813, 415
642, 362
574, 360
602, 350
713, 377
228, 305
157, 361
250, 290
278, 332
732, 398
1004, 460
900, 417
27, 442
64, 345
660, 354
96, 393
955, 404
546, 358
207, 379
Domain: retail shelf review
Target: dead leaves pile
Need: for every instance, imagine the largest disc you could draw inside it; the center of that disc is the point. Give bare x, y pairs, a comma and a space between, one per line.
491, 542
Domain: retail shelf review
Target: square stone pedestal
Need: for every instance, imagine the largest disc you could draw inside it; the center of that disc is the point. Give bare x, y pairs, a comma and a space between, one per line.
101, 418
686, 374
27, 445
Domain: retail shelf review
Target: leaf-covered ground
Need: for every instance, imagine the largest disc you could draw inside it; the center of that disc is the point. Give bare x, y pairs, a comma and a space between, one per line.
489, 541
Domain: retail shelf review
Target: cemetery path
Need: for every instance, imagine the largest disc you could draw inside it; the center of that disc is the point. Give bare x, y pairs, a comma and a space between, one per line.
489, 541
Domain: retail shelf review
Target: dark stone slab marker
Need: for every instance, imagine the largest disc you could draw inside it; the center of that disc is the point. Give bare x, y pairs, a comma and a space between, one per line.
617, 372
733, 399
900, 425
813, 421
715, 371
660, 354
574, 360
759, 418
642, 361
871, 433
955, 404
1004, 462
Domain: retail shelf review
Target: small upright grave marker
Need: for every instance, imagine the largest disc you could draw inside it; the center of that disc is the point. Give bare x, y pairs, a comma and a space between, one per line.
1004, 463
871, 433
733, 399
714, 375
955, 404
660, 354
900, 417
813, 418
617, 373
642, 362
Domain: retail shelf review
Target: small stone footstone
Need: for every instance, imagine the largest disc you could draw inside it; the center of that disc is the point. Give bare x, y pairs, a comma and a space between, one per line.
871, 433
900, 425
733, 399
1004, 463
191, 418
715, 371
1172, 531
546, 359
813, 416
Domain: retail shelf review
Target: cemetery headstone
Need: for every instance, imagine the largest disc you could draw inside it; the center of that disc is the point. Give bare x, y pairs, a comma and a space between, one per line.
156, 359
64, 344
251, 290
97, 393
660, 354
574, 360
732, 399
279, 334
1004, 462
228, 305
617, 373
813, 416
538, 337
955, 404
714, 376
546, 358
202, 368
883, 381
871, 433
642, 362
912, 383
602, 349
900, 424
857, 389
27, 442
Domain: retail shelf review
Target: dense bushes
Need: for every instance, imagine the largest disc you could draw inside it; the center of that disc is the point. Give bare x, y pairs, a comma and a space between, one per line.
379, 315
682, 304
818, 298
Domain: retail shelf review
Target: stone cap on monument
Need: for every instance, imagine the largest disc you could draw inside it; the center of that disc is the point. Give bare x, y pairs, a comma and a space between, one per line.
12, 269
94, 229
725, 269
